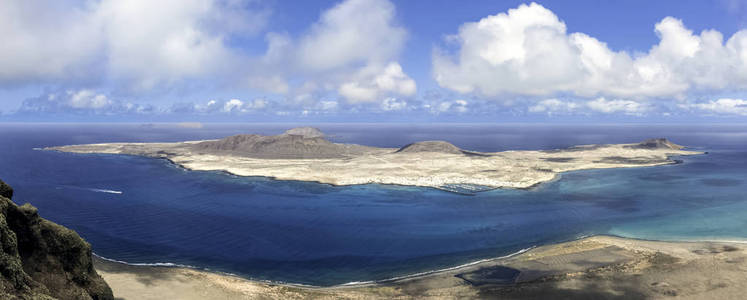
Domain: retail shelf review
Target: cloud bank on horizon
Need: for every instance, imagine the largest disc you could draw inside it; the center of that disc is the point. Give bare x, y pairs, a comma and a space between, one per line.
230, 59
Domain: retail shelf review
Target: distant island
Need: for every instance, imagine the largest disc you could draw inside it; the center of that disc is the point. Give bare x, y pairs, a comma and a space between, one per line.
305, 154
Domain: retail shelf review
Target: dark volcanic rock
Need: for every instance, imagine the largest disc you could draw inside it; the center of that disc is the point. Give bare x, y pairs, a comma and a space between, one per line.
43, 260
304, 142
5, 190
431, 146
660, 143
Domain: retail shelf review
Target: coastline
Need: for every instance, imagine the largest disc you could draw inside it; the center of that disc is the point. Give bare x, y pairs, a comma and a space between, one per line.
542, 270
670, 162
105, 260
522, 169
557, 176
590, 267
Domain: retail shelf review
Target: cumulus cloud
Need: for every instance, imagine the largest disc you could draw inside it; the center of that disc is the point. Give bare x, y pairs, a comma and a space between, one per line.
231, 106
371, 83
88, 99
139, 43
257, 106
556, 106
352, 32
140, 46
322, 107
83, 101
444, 107
393, 104
351, 50
528, 51
553, 106
155, 42
627, 107
45, 41
723, 106
210, 106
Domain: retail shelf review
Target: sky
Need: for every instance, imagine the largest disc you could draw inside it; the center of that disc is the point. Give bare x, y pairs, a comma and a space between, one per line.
373, 61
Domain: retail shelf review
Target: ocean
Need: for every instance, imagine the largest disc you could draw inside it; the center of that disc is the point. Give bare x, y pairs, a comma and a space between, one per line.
148, 211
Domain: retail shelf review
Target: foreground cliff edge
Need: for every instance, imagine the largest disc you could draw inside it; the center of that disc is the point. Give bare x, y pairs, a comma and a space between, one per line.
305, 154
43, 260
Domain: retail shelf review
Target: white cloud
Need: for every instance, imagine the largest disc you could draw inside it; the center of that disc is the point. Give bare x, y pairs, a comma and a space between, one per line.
456, 106
354, 90
352, 32
393, 104
238, 106
138, 42
724, 106
528, 51
87, 99
83, 101
369, 85
352, 50
138, 46
233, 105
211, 105
45, 40
554, 106
627, 107
394, 80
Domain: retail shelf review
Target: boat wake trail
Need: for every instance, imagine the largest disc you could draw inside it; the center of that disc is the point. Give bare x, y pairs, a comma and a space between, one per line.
93, 189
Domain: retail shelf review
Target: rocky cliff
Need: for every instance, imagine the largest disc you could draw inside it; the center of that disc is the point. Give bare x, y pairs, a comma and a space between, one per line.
43, 260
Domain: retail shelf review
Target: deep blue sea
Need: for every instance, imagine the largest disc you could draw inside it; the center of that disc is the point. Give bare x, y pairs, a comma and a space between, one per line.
144, 210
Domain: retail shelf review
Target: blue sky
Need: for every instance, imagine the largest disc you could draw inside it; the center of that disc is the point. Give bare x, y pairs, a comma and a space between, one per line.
373, 61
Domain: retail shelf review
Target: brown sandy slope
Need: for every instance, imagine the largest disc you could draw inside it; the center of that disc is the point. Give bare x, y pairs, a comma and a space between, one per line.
599, 267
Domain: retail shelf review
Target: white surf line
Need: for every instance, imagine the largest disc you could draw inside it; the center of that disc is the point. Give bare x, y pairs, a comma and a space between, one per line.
156, 264
348, 284
354, 283
209, 270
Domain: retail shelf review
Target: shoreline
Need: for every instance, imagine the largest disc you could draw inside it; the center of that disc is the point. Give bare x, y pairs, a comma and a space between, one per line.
433, 164
542, 269
417, 275
311, 286
556, 174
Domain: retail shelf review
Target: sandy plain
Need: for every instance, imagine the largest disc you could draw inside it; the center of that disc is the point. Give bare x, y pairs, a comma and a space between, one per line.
456, 169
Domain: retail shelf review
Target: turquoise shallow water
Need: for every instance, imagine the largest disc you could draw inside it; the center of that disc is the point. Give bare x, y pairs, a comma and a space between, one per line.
142, 210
